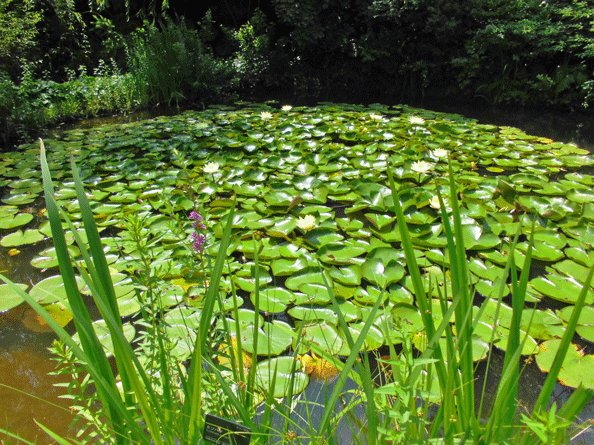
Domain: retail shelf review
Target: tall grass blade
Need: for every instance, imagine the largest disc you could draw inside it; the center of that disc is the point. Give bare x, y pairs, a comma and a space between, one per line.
213, 286
421, 298
463, 315
329, 410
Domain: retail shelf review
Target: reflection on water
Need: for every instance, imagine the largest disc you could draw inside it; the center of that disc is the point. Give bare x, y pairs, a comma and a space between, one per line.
566, 127
529, 387
27, 391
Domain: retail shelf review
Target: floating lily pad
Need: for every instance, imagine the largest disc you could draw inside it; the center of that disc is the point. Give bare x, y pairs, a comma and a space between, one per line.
577, 366
273, 338
285, 372
51, 290
322, 334
12, 221
9, 298
102, 331
59, 312
19, 238
564, 289
273, 299
382, 272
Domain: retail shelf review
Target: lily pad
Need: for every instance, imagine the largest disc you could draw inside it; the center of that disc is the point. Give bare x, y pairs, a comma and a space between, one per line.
577, 366
9, 298
273, 299
272, 339
286, 373
12, 221
19, 238
52, 290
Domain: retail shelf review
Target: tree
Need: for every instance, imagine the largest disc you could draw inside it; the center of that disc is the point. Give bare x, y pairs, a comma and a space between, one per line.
18, 30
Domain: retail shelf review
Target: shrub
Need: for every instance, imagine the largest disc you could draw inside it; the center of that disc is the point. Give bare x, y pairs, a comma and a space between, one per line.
172, 64
17, 33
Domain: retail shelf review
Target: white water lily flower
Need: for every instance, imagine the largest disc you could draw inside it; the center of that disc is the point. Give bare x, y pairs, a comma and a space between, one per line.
376, 117
210, 167
420, 167
306, 222
266, 115
286, 107
434, 202
440, 153
416, 120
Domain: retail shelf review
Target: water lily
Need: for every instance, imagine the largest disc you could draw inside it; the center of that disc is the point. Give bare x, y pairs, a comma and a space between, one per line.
434, 202
420, 167
306, 222
210, 167
266, 115
286, 108
416, 120
376, 117
440, 153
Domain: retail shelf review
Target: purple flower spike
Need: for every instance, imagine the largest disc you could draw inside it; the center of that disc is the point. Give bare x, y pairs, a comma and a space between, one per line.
195, 215
199, 241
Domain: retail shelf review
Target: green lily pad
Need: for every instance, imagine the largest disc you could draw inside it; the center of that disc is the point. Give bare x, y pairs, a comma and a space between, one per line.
102, 331
348, 275
322, 334
52, 290
273, 338
373, 340
273, 299
19, 238
285, 266
341, 253
10, 298
564, 289
12, 221
286, 373
577, 366
19, 198
382, 272
322, 236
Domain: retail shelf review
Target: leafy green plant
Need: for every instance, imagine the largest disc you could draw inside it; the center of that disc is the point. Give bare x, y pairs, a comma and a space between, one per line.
18, 31
453, 366
252, 57
172, 65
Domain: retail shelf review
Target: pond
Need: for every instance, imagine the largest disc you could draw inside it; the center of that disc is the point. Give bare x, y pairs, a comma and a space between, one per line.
311, 183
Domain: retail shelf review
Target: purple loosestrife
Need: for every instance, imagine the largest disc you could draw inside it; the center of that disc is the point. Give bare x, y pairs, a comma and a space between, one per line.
198, 239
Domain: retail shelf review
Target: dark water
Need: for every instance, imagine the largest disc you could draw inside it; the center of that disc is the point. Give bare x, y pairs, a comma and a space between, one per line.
27, 392
562, 127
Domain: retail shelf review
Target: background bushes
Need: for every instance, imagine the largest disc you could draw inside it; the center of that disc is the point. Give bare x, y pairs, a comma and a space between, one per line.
171, 64
524, 52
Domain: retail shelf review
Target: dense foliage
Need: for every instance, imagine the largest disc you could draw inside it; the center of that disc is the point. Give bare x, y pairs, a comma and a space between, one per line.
526, 52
